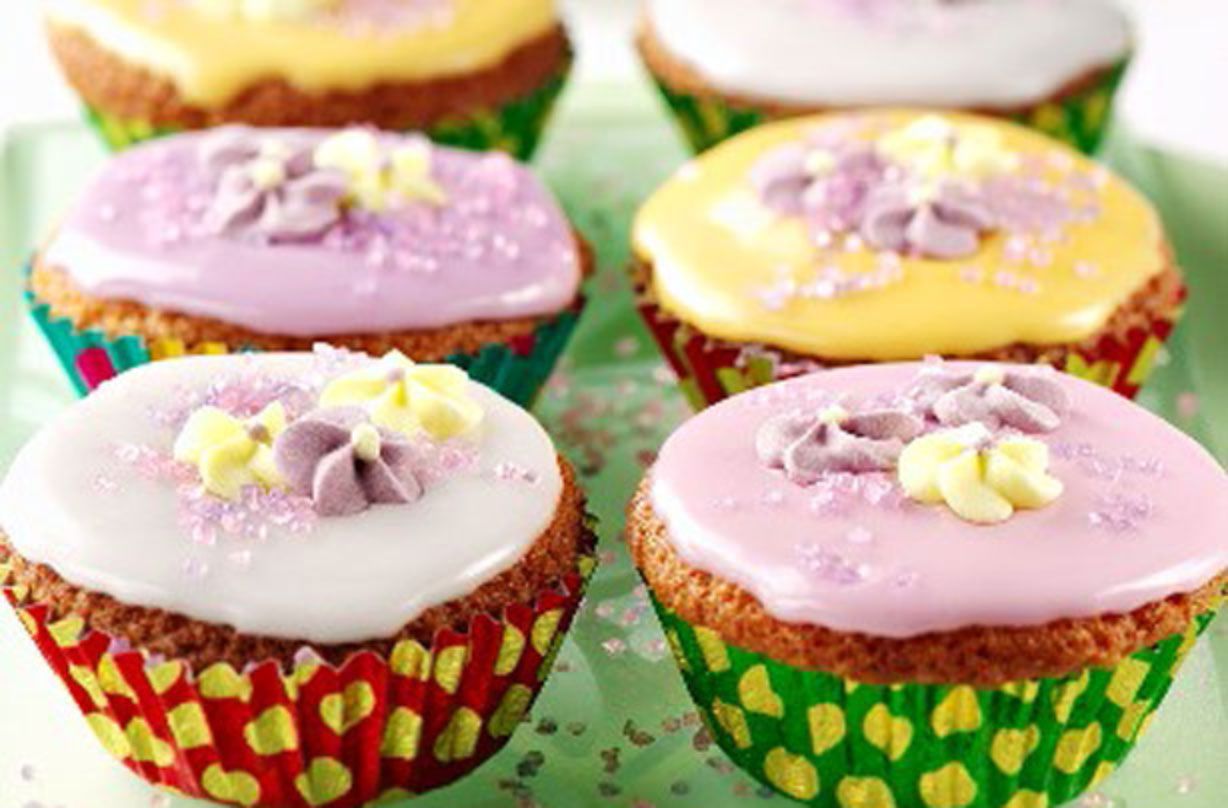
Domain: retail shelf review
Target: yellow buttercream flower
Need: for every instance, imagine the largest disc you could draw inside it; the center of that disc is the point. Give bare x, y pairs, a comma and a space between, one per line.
230, 453
980, 479
377, 178
409, 398
935, 148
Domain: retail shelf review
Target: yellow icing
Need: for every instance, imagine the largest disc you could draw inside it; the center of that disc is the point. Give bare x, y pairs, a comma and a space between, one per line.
211, 57
714, 247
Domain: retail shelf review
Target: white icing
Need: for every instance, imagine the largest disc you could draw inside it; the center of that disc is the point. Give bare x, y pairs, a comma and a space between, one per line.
993, 53
347, 580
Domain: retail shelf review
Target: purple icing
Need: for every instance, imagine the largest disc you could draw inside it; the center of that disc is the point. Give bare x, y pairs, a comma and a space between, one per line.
500, 248
318, 458
807, 447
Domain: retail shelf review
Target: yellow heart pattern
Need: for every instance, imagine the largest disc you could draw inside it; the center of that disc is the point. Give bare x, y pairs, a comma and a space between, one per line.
827, 727
756, 694
1010, 748
272, 732
1075, 747
949, 787
958, 712
890, 734
864, 792
792, 774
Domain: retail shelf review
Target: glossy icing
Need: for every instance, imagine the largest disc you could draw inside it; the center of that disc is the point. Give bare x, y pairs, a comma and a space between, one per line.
728, 263
498, 248
853, 554
211, 57
986, 53
86, 496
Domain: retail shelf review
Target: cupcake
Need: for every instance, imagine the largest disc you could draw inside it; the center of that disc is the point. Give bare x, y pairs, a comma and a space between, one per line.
896, 235
242, 239
274, 580
963, 585
471, 73
724, 66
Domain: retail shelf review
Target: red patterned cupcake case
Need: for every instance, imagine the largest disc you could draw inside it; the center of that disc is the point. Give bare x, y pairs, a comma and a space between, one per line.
316, 735
710, 369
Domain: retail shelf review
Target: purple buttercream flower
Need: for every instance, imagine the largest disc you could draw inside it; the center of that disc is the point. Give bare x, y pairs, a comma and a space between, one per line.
947, 224
827, 187
1030, 402
269, 187
345, 464
808, 445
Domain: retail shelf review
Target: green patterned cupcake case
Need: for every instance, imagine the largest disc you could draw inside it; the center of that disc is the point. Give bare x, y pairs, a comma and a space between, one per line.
832, 743
515, 128
1079, 119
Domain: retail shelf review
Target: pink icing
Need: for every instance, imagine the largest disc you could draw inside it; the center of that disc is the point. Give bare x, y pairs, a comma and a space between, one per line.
853, 554
500, 248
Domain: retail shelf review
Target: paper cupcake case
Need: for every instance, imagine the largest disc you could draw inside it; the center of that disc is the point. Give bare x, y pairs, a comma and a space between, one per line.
517, 369
710, 370
1080, 119
515, 127
315, 735
833, 743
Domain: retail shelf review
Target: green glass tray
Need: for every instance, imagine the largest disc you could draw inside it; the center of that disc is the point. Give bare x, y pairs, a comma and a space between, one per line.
614, 726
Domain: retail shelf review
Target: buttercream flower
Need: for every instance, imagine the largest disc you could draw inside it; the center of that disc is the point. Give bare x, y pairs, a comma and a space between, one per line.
934, 147
1027, 401
376, 177
346, 464
230, 453
808, 445
409, 398
942, 223
980, 479
828, 187
268, 187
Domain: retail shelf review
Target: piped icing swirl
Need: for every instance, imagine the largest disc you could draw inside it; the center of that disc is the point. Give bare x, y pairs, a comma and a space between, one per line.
339, 531
315, 233
1098, 521
878, 236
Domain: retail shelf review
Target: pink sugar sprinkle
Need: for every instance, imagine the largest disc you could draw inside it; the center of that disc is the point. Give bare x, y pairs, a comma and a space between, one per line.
514, 472
1086, 269
831, 567
1121, 512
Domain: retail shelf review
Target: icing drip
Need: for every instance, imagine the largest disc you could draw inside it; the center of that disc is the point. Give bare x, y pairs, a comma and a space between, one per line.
268, 187
345, 464
1030, 402
980, 478
807, 446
